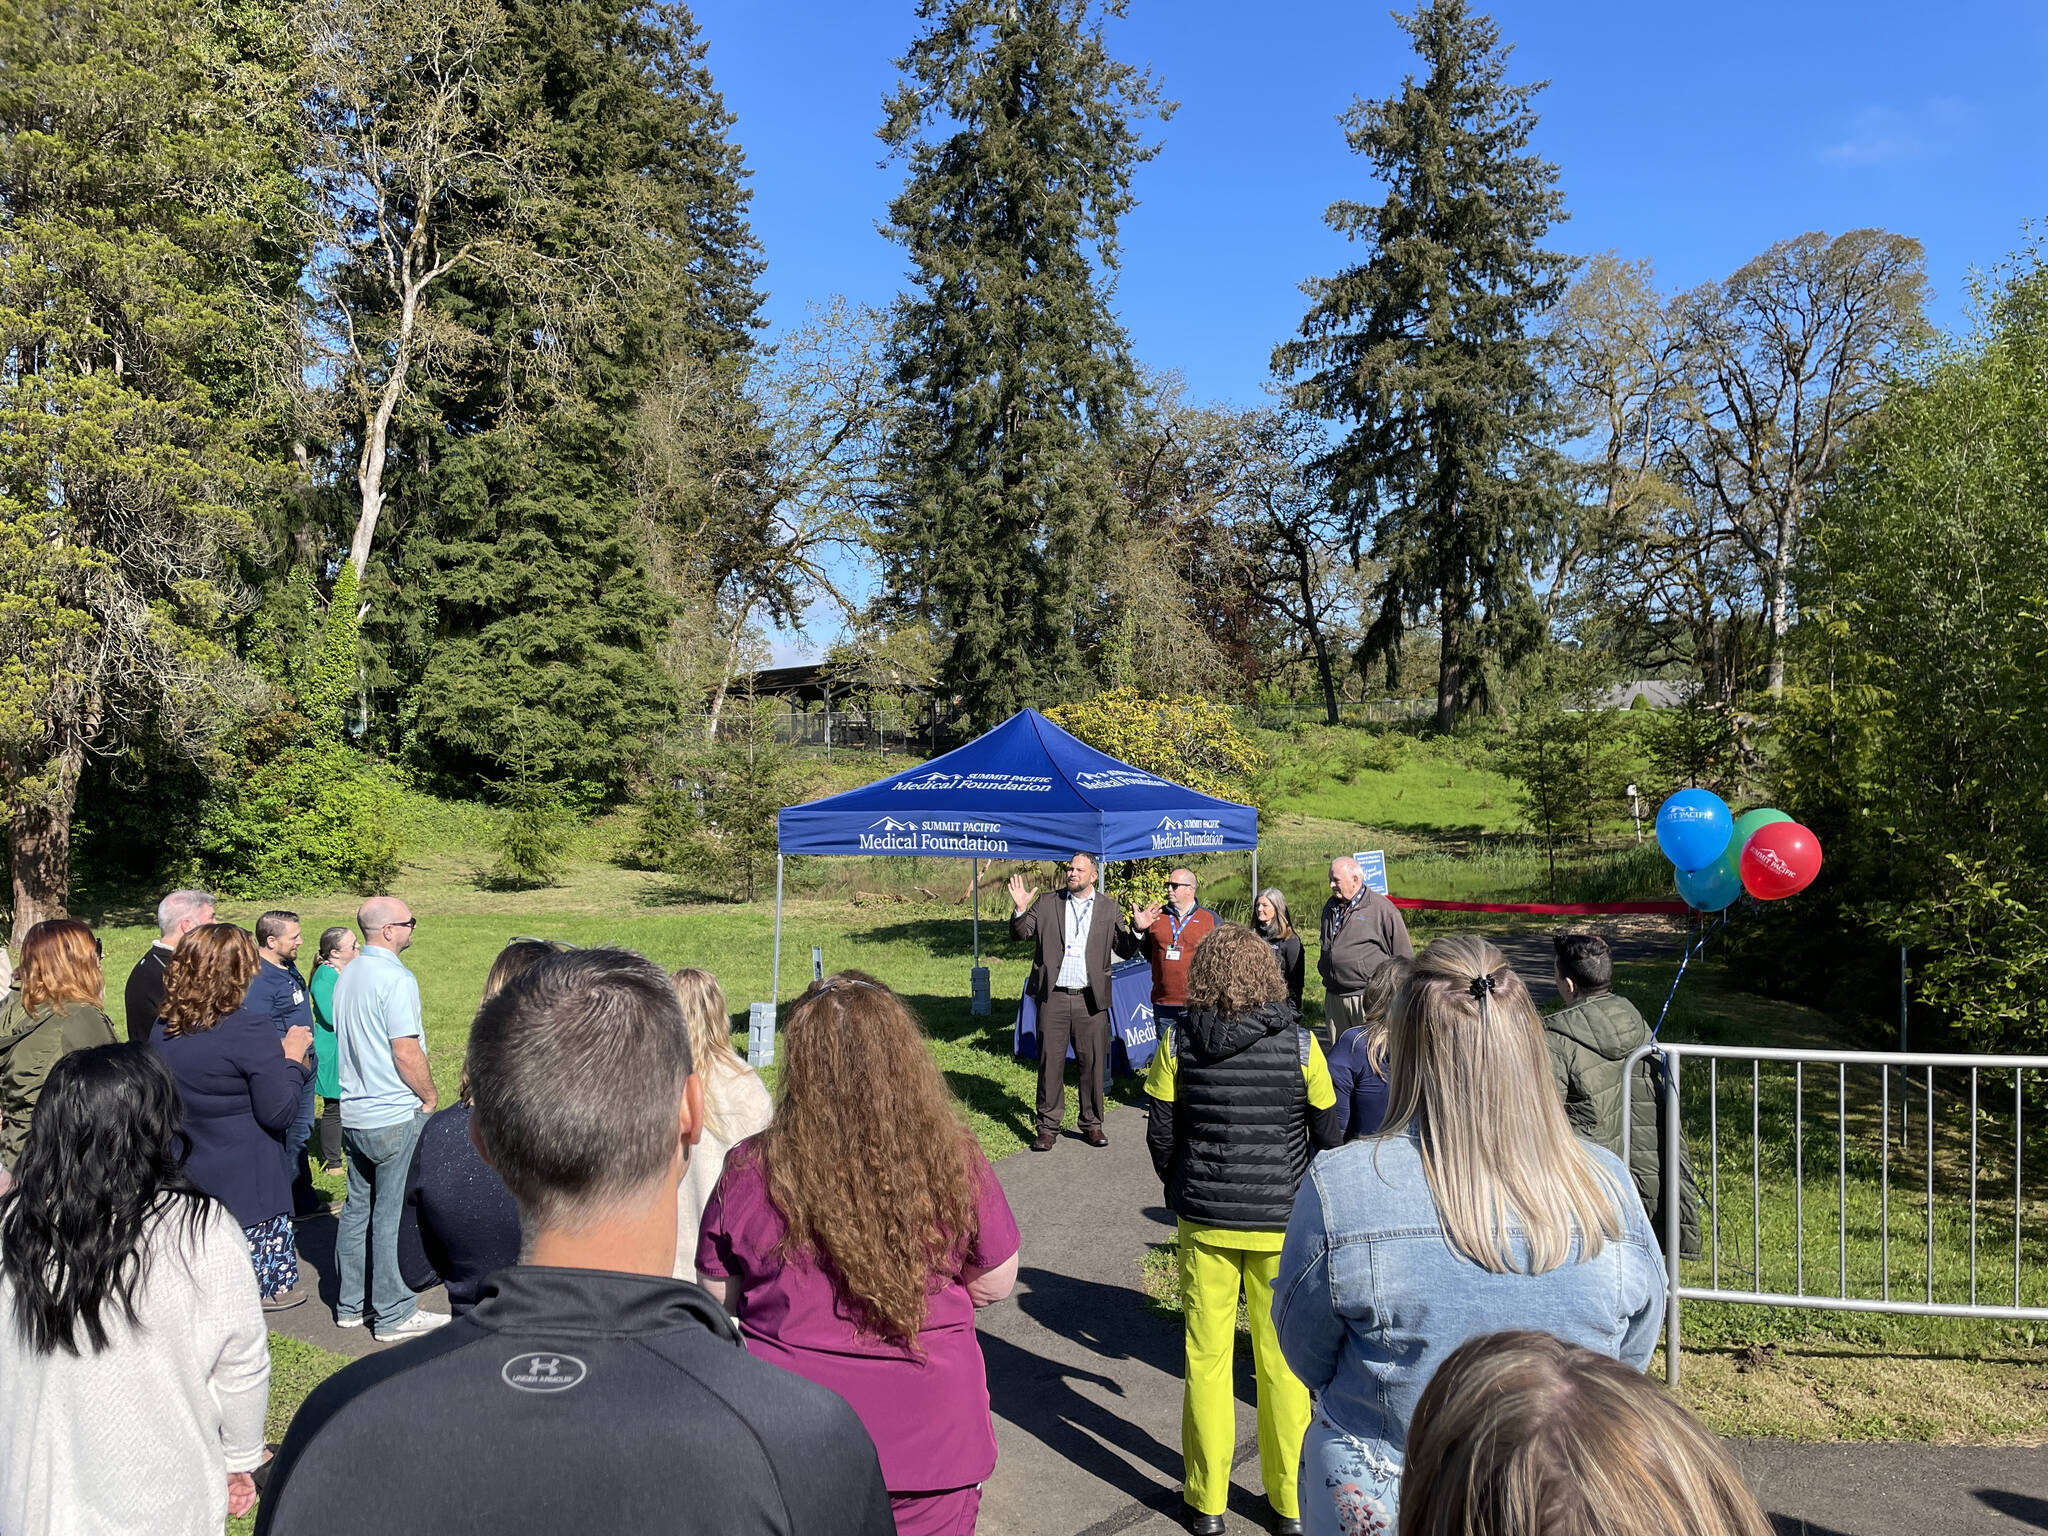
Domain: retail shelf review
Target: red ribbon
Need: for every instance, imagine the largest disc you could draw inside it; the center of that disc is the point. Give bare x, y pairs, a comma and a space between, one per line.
1549, 908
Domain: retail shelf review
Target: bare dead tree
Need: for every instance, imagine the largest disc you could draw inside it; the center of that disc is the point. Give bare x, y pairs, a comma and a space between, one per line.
405, 146
757, 481
1785, 361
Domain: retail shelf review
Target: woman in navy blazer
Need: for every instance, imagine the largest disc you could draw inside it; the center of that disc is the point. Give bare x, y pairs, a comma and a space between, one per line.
240, 1091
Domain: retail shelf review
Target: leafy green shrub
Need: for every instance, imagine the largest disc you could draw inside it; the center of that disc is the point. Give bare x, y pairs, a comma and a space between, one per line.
533, 838
316, 816
717, 827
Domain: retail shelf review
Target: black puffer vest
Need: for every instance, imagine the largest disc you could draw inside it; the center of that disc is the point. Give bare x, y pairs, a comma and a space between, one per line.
1240, 1118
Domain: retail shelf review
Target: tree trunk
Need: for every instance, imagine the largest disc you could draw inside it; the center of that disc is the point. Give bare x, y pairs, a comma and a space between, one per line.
1780, 601
1315, 635
39, 839
732, 660
1450, 676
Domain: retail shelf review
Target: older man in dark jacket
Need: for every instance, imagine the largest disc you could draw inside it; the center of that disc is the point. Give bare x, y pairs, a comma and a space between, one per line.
1076, 930
1361, 932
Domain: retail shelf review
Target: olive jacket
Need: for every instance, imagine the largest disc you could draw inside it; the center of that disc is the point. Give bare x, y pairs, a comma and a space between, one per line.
1588, 1044
31, 1042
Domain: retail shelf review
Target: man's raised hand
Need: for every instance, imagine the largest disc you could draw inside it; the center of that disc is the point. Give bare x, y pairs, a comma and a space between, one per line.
1145, 917
1023, 895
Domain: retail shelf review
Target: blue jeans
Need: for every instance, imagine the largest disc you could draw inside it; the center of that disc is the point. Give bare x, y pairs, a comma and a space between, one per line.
377, 1163
296, 1136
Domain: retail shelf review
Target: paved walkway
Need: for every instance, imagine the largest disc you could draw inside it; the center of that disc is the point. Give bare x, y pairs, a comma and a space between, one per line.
314, 1322
1085, 1380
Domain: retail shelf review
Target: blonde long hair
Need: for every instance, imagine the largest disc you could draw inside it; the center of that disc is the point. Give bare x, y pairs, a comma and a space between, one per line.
1521, 1434
704, 1010
1472, 1075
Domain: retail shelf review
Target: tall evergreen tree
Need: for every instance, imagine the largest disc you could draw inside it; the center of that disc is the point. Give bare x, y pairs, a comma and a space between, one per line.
135, 264
1018, 130
1424, 347
520, 620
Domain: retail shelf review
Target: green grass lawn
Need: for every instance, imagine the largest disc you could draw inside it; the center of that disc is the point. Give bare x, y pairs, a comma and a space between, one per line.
1433, 791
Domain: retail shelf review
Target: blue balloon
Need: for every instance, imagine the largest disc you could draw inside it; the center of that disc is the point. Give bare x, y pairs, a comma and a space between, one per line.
1693, 828
1712, 888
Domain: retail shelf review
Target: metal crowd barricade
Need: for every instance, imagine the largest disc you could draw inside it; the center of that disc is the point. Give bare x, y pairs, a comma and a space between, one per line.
1840, 1299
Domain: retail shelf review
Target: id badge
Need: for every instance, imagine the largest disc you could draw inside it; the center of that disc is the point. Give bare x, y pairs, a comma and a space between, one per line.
1173, 952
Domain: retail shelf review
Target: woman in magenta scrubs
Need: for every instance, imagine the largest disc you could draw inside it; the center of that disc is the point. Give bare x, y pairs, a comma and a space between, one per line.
864, 1283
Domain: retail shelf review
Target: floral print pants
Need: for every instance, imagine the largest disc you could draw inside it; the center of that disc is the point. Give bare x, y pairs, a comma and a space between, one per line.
1349, 1487
274, 1249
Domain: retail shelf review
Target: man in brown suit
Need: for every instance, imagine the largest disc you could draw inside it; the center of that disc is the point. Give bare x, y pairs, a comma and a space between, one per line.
1075, 929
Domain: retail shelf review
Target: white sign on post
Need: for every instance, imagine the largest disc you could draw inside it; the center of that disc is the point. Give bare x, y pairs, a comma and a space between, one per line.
1373, 865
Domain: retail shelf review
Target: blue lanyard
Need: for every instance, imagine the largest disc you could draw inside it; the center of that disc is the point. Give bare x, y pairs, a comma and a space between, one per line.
1177, 926
1082, 911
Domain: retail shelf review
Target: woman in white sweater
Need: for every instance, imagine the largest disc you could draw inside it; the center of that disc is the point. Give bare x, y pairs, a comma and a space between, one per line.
736, 1105
134, 1363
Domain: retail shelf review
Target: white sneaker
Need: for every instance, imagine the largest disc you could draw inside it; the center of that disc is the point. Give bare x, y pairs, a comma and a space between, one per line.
422, 1321
348, 1320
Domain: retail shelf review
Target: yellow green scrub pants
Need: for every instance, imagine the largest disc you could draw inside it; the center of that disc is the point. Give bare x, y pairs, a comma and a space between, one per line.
1214, 1265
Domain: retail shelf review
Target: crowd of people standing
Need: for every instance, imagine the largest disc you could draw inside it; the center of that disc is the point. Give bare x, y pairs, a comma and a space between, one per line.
614, 1201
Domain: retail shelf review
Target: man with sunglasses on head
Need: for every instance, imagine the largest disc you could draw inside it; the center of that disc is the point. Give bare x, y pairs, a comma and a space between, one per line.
1167, 935
387, 1092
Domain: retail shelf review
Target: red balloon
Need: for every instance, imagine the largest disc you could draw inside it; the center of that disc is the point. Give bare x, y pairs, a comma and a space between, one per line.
1779, 860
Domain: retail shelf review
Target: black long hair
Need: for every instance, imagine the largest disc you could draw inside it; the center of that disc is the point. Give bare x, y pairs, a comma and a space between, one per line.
100, 1164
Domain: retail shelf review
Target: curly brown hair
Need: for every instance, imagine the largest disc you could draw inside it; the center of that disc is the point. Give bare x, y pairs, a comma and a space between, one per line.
1233, 972
208, 977
867, 1158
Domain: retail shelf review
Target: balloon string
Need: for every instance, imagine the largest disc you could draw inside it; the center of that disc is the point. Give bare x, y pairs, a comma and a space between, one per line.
1691, 949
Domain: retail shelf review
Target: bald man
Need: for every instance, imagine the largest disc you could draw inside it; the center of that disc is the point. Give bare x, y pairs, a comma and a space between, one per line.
1362, 931
386, 1095
1167, 935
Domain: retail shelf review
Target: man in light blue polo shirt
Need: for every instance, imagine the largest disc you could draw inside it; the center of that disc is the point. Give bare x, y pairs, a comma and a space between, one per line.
386, 1095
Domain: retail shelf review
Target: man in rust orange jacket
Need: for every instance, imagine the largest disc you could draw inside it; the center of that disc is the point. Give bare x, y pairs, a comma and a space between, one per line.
1167, 937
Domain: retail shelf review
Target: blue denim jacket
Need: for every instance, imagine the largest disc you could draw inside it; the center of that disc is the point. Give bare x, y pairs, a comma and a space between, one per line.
1370, 1296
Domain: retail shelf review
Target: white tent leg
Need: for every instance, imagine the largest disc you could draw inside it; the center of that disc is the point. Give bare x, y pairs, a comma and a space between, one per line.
775, 979
1255, 878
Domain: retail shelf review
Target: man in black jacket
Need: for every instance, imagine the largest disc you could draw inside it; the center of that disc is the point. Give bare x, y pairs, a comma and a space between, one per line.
1076, 930
587, 1390
176, 915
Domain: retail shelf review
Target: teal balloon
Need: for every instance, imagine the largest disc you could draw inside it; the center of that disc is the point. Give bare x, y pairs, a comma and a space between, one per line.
1746, 825
1713, 888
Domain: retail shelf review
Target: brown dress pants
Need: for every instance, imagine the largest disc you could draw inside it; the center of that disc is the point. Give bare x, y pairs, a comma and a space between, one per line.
1063, 1017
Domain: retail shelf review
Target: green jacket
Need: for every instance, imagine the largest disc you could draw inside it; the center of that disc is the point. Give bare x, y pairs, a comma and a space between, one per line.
30, 1044
327, 1055
1588, 1044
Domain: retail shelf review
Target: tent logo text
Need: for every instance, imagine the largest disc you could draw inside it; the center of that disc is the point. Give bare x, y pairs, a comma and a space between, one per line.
1117, 778
1007, 783
950, 835
1142, 1029
1186, 832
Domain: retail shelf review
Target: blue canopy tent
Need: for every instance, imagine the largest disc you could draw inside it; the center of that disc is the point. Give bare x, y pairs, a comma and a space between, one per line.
1025, 790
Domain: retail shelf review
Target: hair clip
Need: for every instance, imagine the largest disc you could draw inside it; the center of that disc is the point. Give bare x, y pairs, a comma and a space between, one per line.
1482, 986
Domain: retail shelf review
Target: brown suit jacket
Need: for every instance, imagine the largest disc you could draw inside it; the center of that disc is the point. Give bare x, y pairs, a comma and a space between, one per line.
1046, 920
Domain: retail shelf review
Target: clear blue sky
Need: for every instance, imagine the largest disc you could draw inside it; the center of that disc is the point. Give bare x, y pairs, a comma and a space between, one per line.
1693, 135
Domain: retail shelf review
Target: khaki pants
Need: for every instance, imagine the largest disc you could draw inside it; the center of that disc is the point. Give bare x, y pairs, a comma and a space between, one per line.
1341, 1010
